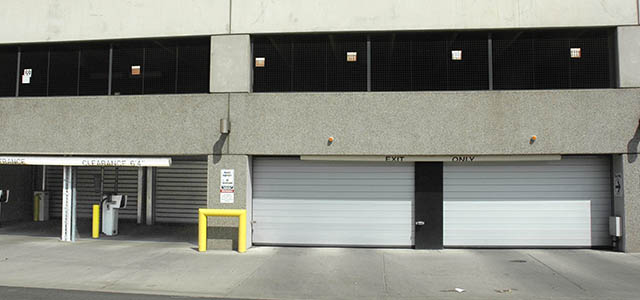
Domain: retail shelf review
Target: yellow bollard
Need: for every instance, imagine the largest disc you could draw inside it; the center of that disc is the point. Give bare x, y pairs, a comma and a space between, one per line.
203, 213
36, 208
96, 221
202, 231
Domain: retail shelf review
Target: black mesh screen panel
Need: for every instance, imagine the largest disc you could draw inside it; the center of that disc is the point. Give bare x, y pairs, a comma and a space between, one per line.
63, 71
8, 66
542, 59
160, 68
429, 63
128, 69
472, 71
94, 70
513, 62
309, 63
193, 65
275, 75
391, 63
342, 74
592, 70
34, 59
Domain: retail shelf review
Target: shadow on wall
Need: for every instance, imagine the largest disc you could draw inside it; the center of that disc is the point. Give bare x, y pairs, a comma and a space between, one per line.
217, 147
632, 147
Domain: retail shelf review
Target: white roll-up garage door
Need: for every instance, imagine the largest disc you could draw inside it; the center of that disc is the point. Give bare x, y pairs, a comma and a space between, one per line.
332, 203
562, 203
180, 191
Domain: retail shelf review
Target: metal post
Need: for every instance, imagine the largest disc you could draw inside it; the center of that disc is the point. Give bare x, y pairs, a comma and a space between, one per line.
68, 204
149, 208
140, 194
110, 79
368, 63
115, 184
18, 77
490, 52
44, 178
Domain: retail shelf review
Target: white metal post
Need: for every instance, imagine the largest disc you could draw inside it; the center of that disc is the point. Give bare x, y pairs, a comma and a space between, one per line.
149, 208
69, 204
140, 194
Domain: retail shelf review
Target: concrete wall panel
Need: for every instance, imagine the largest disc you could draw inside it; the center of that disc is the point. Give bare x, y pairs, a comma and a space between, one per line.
629, 56
434, 123
64, 20
251, 16
116, 125
223, 232
230, 63
631, 217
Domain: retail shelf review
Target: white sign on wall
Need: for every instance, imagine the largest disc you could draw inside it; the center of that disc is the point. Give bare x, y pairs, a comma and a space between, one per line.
226, 186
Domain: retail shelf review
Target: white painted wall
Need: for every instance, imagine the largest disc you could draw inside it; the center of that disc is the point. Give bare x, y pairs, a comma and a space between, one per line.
64, 20
249, 16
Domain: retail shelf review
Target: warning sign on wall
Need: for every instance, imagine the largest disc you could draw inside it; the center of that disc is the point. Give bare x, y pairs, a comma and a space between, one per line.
226, 186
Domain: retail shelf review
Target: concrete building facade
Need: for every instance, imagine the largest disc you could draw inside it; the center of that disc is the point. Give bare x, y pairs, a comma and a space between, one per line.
430, 132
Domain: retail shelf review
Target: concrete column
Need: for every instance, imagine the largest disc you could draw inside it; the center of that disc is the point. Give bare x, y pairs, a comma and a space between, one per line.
629, 56
223, 232
230, 64
627, 203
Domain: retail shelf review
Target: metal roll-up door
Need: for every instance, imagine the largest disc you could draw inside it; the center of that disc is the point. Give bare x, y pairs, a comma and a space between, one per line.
562, 203
180, 191
86, 193
332, 203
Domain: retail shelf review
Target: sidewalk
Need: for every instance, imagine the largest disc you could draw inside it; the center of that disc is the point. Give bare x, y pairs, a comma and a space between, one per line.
176, 268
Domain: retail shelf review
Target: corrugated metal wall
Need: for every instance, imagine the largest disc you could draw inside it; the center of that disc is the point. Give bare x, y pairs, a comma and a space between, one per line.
528, 203
86, 193
180, 191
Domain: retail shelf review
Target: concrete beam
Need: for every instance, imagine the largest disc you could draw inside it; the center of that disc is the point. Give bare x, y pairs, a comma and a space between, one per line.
63, 20
230, 64
267, 16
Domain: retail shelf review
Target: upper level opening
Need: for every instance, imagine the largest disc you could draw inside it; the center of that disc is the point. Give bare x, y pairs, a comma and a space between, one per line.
123, 67
435, 61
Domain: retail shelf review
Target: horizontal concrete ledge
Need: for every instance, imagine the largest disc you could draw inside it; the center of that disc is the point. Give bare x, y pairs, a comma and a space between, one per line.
599, 121
112, 125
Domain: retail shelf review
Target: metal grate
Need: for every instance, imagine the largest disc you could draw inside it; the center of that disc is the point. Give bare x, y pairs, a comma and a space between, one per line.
307, 63
192, 75
275, 76
8, 65
422, 62
344, 75
94, 70
63, 71
542, 59
36, 59
126, 57
160, 67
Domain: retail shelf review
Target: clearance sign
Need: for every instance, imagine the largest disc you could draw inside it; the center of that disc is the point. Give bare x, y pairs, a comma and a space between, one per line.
76, 161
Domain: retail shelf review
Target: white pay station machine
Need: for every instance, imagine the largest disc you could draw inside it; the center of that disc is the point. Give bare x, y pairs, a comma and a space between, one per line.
110, 206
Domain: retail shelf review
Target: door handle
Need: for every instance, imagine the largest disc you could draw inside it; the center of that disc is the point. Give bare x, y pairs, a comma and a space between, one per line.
419, 223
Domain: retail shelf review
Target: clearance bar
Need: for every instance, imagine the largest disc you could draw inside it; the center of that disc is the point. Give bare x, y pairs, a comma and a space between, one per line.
77, 161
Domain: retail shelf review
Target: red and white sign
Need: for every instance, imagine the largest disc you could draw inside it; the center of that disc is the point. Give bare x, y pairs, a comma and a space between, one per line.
226, 186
